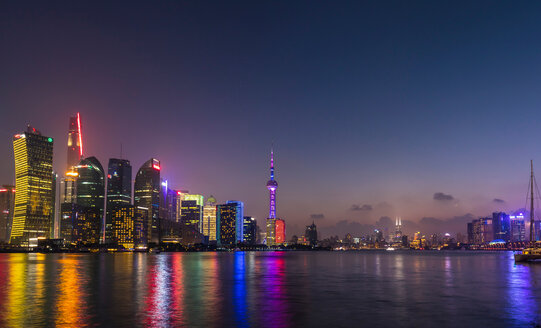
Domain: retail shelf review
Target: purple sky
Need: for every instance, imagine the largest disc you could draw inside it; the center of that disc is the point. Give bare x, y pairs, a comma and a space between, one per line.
413, 109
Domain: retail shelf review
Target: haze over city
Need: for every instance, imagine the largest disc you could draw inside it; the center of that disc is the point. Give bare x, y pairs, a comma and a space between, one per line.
374, 109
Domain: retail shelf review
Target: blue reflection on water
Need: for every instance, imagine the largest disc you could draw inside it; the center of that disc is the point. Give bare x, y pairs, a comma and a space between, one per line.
522, 305
239, 291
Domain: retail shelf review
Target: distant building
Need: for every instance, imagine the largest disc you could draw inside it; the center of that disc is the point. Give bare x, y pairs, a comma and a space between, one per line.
226, 218
280, 232
119, 177
7, 203
311, 234
147, 195
209, 220
480, 231
518, 228
250, 230
501, 225
34, 200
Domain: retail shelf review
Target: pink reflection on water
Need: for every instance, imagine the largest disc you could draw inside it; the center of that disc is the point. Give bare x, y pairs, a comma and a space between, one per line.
158, 296
275, 312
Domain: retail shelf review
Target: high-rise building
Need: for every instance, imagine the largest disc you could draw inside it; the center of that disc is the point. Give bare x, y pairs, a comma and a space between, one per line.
502, 226
280, 232
147, 195
209, 219
119, 173
127, 222
190, 215
91, 189
250, 230
518, 228
79, 225
272, 225
7, 202
75, 142
239, 220
226, 218
33, 209
311, 234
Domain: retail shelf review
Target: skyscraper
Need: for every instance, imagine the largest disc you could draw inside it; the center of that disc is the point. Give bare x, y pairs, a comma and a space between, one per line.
272, 185
226, 217
147, 195
250, 230
75, 142
190, 215
209, 219
119, 173
33, 209
127, 226
239, 219
91, 184
7, 202
311, 234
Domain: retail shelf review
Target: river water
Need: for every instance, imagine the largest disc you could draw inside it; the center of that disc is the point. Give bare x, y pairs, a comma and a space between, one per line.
270, 289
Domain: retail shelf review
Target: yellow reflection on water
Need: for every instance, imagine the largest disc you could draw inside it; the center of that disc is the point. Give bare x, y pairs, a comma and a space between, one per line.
15, 303
70, 304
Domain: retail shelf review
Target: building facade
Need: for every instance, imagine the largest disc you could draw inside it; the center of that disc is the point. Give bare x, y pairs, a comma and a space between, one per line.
250, 230
119, 175
7, 203
147, 195
33, 212
226, 218
209, 220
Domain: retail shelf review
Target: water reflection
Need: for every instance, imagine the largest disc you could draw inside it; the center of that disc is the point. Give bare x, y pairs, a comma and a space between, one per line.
274, 289
71, 309
522, 307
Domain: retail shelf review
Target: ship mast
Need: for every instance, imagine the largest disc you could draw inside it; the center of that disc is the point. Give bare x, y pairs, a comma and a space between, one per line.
531, 205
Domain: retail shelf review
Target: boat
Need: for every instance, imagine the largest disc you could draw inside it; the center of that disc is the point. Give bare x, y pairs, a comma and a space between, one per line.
531, 253
390, 249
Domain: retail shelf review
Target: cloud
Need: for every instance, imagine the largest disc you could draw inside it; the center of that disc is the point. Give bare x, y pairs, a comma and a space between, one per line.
498, 201
317, 216
365, 207
439, 196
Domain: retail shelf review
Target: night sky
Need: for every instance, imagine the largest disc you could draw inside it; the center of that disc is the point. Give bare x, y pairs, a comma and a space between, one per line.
428, 110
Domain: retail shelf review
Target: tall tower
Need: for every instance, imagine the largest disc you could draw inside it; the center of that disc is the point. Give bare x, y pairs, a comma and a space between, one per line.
275, 226
33, 209
272, 185
75, 142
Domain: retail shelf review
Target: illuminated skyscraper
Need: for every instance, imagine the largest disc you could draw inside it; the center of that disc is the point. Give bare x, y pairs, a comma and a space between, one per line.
190, 214
250, 230
272, 238
68, 188
7, 202
33, 210
209, 219
226, 217
119, 174
127, 226
79, 225
239, 219
147, 195
75, 142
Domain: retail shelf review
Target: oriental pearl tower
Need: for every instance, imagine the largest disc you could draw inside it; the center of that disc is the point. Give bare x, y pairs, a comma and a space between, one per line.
275, 226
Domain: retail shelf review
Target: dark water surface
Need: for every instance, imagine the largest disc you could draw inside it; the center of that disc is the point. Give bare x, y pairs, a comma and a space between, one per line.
269, 289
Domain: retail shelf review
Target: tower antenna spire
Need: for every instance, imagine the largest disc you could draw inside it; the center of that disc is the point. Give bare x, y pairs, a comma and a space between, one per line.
531, 204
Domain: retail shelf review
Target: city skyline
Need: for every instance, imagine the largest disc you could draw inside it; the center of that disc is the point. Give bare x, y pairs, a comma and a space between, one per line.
376, 127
